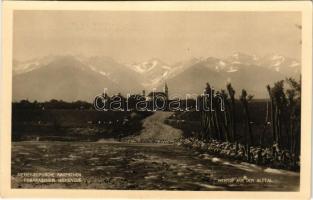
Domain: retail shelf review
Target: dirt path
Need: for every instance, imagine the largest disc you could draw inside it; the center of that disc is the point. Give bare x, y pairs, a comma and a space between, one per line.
155, 130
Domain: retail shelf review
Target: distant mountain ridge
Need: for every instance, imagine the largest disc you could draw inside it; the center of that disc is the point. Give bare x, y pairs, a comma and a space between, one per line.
71, 78
67, 78
243, 71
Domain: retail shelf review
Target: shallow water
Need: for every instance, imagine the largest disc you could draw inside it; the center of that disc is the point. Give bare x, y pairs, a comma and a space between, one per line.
112, 165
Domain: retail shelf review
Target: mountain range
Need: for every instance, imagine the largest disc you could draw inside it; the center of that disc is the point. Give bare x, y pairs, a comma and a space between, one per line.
72, 77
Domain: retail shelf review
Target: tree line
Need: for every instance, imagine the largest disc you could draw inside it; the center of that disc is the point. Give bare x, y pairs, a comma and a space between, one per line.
281, 120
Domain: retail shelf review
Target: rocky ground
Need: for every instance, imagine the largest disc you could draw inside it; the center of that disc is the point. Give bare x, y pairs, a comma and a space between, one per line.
115, 165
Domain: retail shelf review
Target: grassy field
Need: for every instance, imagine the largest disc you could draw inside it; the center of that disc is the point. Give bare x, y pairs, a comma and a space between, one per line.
69, 125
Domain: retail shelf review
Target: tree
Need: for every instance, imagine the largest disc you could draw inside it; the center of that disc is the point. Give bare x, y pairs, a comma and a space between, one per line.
206, 116
280, 100
226, 116
232, 110
294, 107
245, 99
269, 89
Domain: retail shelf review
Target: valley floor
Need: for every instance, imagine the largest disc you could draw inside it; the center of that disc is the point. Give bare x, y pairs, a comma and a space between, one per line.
142, 166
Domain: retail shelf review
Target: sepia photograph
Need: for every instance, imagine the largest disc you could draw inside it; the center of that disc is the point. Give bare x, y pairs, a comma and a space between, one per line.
157, 100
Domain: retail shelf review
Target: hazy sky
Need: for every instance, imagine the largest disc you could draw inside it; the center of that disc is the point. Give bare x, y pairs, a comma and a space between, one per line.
170, 36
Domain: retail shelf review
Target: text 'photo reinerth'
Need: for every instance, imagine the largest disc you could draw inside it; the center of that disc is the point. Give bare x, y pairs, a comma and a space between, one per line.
197, 100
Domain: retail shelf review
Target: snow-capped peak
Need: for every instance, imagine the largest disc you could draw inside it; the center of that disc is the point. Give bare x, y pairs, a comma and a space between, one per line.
278, 57
255, 57
222, 63
278, 60
147, 66
294, 64
236, 55
242, 58
232, 69
30, 65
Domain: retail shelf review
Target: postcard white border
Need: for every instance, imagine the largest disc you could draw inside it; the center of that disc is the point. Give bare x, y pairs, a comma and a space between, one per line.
305, 7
